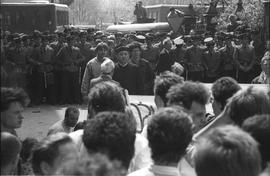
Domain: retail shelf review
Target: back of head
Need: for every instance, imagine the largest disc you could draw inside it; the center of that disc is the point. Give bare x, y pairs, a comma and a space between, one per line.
113, 134
185, 94
105, 96
227, 151
223, 89
247, 103
10, 95
48, 150
258, 127
107, 67
95, 165
169, 132
163, 82
10, 150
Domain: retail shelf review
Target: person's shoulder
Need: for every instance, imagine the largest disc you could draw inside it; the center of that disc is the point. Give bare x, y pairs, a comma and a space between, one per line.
92, 61
256, 80
76, 135
142, 172
56, 127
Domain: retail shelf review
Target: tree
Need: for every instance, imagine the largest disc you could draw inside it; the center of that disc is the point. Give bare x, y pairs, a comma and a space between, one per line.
252, 16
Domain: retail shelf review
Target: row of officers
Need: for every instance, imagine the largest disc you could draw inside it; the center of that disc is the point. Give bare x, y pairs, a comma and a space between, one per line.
52, 69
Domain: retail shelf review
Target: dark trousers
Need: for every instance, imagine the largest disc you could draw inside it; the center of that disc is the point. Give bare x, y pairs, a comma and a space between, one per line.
70, 88
196, 76
229, 73
44, 89
245, 77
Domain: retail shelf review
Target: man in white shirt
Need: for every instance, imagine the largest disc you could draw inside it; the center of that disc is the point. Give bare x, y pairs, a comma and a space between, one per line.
169, 133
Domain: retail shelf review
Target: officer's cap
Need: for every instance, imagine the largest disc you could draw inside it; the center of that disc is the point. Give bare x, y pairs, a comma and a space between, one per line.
178, 41
122, 48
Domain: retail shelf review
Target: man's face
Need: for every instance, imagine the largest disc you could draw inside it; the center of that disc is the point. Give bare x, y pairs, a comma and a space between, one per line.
102, 52
72, 118
12, 118
123, 57
136, 52
197, 112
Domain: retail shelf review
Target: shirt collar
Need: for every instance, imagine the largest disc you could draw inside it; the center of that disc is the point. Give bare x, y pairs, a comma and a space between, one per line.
165, 170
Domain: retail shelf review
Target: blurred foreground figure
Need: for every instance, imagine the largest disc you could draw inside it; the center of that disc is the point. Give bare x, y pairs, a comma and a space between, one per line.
227, 151
10, 152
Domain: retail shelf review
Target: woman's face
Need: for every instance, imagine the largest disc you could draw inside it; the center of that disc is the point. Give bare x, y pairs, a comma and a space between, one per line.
266, 66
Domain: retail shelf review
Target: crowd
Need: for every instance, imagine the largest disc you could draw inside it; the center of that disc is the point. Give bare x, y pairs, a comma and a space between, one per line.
179, 139
102, 70
57, 68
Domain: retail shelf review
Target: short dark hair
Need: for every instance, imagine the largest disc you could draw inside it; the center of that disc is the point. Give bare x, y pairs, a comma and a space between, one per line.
223, 89
187, 93
163, 82
47, 150
111, 133
258, 127
69, 110
10, 95
101, 45
27, 148
169, 132
227, 151
10, 148
247, 103
106, 96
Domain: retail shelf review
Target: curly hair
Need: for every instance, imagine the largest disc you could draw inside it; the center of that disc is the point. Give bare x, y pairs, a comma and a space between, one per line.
187, 93
10, 95
258, 127
106, 96
247, 103
227, 151
47, 150
163, 82
169, 133
111, 133
223, 89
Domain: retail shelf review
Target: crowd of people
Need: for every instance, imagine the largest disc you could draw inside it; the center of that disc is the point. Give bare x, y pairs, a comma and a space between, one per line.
57, 68
180, 138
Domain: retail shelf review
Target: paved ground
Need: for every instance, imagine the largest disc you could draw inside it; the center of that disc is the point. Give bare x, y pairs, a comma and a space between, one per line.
39, 119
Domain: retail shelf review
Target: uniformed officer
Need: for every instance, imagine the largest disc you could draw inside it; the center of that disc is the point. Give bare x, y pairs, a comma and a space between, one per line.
70, 58
211, 60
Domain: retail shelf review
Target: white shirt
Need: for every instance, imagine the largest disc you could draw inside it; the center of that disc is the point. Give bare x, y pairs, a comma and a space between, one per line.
156, 170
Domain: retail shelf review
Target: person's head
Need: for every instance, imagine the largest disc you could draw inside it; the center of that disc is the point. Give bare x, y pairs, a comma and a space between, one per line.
122, 55
52, 152
113, 134
177, 68
71, 116
70, 40
13, 101
169, 132
135, 50
223, 89
95, 165
107, 67
265, 65
27, 148
232, 18
258, 127
101, 49
248, 102
105, 96
162, 84
10, 152
167, 44
193, 97
227, 151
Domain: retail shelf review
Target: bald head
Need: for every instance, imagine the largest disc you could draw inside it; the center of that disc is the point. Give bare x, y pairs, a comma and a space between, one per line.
10, 149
